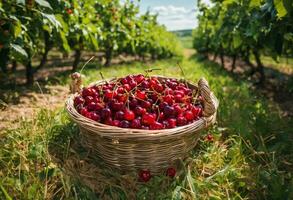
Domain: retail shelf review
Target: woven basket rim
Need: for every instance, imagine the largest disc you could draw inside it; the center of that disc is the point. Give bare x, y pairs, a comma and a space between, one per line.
107, 130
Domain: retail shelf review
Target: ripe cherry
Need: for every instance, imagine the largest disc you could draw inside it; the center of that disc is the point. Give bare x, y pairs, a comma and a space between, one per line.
135, 123
144, 175
127, 87
84, 111
156, 126
88, 92
139, 78
141, 94
78, 100
115, 122
171, 123
189, 115
181, 121
197, 111
132, 84
89, 99
210, 137
145, 84
105, 113
110, 94
148, 119
129, 115
169, 99
169, 110
119, 115
133, 103
139, 110
146, 104
124, 124
171, 172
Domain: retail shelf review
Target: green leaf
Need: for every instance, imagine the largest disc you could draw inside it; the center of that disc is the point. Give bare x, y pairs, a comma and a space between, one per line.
52, 19
255, 3
20, 2
280, 8
19, 50
236, 41
43, 3
17, 29
5, 193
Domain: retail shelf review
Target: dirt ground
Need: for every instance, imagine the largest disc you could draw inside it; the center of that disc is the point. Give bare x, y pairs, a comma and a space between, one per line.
30, 103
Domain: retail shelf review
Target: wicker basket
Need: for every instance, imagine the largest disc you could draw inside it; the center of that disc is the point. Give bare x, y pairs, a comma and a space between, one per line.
136, 149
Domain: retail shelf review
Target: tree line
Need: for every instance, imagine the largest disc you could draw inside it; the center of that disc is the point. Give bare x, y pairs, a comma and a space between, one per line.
245, 29
32, 28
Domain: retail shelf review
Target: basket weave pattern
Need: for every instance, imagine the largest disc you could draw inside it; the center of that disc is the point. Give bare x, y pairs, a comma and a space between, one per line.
135, 149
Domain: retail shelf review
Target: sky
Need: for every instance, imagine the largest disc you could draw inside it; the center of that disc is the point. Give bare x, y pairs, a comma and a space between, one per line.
174, 14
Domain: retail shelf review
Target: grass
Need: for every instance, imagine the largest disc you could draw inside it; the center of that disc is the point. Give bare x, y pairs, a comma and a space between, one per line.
250, 157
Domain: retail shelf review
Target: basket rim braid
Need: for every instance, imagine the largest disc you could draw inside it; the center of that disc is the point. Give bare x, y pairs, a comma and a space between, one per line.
210, 105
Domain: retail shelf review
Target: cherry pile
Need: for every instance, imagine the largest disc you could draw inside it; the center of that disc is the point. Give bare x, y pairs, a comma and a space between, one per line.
140, 102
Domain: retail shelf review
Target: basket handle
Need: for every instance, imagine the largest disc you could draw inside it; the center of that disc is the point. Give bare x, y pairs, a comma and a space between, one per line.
210, 101
76, 82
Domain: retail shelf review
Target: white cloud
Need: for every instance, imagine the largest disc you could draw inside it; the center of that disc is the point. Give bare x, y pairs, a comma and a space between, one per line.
175, 18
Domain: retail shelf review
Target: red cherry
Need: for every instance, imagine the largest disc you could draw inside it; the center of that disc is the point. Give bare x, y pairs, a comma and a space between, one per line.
148, 119
109, 121
120, 90
171, 123
132, 84
89, 99
189, 115
140, 94
91, 106
78, 100
84, 111
181, 121
133, 103
139, 110
144, 175
94, 116
124, 81
88, 92
117, 106
127, 87
169, 110
119, 115
69, 11
159, 88
135, 123
139, 78
156, 126
169, 99
169, 91
105, 113
171, 172
124, 124
146, 104
210, 137
129, 115
145, 127
145, 84
178, 109
121, 97
163, 105
197, 111
110, 94
161, 116
178, 98
115, 122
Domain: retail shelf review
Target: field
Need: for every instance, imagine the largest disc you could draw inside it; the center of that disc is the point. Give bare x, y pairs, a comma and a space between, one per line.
250, 156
